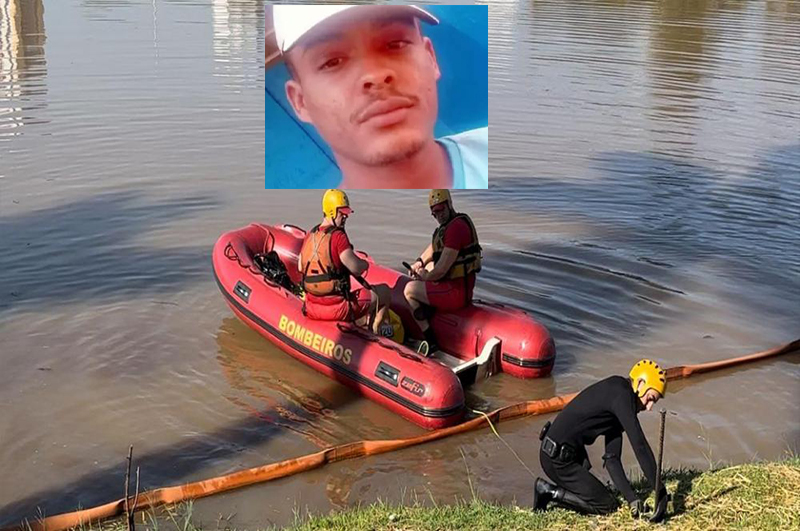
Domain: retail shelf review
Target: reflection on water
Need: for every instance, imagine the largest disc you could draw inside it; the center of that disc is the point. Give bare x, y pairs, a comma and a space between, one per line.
713, 80
681, 56
22, 62
272, 386
156, 94
238, 31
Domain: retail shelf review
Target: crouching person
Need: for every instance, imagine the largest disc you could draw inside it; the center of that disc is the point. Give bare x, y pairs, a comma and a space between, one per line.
608, 408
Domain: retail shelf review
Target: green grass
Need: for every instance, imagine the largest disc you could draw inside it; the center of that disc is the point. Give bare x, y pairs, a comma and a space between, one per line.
752, 496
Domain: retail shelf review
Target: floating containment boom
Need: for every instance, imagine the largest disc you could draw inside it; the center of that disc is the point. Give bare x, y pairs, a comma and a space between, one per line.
200, 489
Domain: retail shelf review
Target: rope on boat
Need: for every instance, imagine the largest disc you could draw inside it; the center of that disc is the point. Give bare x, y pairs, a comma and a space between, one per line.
201, 489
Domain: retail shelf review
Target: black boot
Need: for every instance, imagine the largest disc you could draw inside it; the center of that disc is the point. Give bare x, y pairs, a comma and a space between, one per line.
543, 493
570, 500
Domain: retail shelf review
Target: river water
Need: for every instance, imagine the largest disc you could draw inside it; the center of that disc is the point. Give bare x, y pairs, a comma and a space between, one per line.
645, 182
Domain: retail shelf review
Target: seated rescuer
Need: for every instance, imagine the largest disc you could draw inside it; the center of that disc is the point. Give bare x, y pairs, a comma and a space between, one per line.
446, 269
326, 262
607, 408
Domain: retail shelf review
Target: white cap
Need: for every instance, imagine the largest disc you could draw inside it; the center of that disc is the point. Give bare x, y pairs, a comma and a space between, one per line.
291, 22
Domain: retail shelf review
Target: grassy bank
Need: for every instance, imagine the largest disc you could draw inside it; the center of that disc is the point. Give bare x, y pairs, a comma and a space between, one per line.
754, 496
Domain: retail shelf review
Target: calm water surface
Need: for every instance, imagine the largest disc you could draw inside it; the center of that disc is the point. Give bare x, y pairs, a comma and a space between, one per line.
645, 181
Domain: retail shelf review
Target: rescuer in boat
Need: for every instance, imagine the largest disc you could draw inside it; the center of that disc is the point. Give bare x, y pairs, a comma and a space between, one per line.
445, 271
607, 408
366, 78
326, 262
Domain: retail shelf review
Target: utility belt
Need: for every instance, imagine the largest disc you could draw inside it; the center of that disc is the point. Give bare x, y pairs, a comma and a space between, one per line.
563, 452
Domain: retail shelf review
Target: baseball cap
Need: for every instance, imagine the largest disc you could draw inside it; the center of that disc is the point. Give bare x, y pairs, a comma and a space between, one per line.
291, 22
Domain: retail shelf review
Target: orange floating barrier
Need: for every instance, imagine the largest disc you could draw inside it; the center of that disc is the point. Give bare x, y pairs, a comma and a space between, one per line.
289, 467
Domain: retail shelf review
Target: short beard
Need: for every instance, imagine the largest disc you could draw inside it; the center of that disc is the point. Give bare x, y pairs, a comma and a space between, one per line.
389, 157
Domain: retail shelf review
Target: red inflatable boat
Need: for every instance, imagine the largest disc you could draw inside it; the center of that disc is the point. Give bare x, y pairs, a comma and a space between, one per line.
476, 341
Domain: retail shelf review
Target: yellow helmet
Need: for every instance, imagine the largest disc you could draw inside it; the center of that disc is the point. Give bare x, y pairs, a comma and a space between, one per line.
654, 377
332, 201
439, 196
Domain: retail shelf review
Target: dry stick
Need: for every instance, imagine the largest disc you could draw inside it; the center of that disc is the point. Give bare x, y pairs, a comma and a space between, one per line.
660, 451
135, 497
128, 511
353, 450
660, 461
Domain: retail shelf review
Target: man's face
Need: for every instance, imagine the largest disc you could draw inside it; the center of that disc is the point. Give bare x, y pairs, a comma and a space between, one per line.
650, 398
441, 212
340, 219
368, 85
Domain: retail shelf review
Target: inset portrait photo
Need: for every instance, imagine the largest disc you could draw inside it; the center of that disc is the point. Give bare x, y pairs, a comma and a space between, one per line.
376, 96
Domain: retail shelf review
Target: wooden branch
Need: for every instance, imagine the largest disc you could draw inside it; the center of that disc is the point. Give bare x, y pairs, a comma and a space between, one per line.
128, 511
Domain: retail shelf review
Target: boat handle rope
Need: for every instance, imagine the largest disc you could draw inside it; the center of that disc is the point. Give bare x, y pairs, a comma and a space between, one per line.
252, 269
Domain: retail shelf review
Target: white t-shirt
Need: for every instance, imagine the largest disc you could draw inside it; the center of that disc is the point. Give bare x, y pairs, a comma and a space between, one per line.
469, 156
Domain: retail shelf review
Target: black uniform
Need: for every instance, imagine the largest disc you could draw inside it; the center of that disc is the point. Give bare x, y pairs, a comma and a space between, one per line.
607, 408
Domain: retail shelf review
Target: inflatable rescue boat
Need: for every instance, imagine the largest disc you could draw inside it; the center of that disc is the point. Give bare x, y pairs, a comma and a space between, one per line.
475, 342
